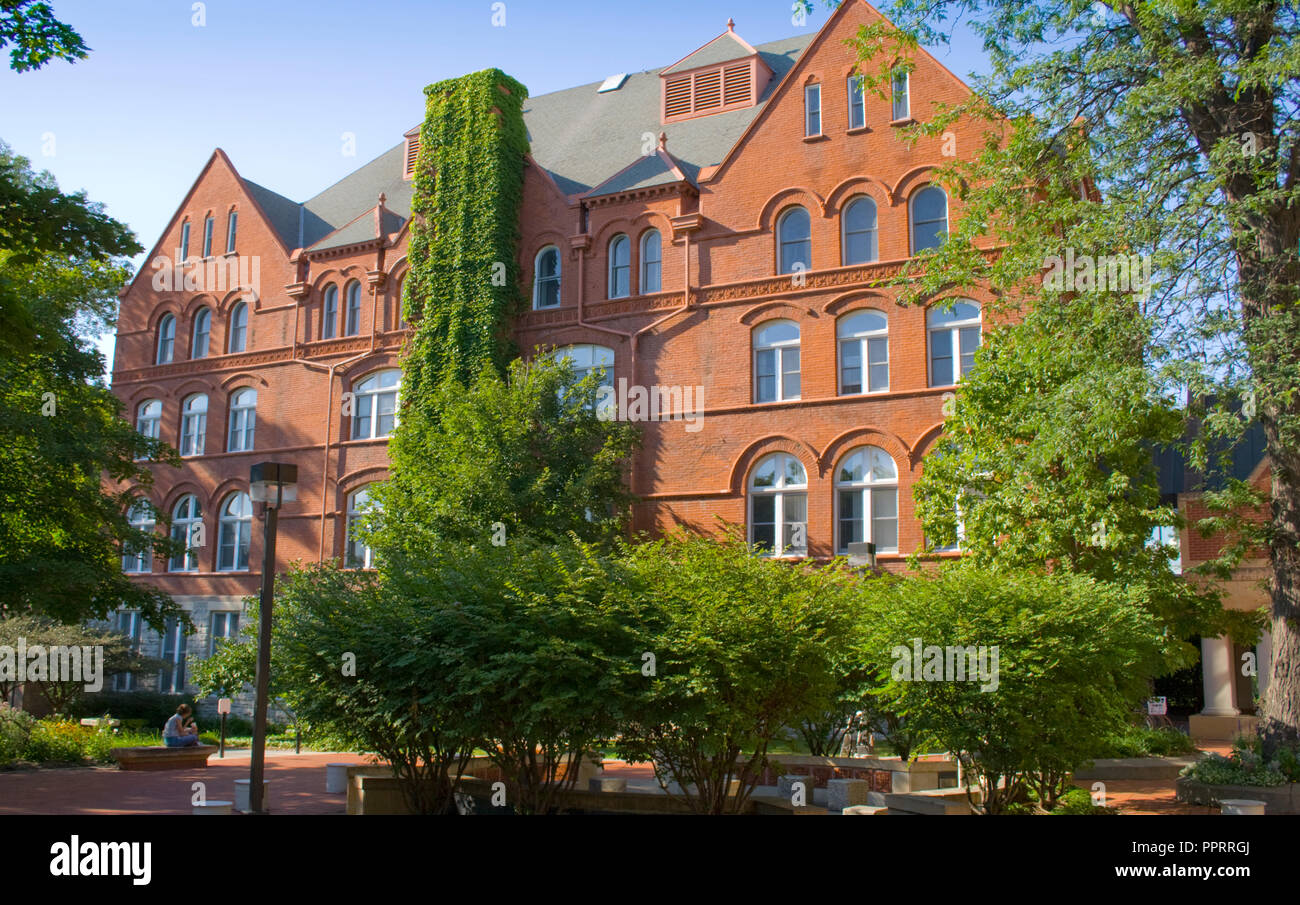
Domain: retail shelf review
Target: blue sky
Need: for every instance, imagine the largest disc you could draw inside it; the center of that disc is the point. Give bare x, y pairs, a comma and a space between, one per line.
277, 83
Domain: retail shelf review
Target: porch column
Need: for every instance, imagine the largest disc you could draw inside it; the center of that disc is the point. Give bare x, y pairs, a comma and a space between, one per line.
1217, 675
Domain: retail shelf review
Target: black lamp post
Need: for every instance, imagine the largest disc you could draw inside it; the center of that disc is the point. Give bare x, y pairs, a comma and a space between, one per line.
274, 484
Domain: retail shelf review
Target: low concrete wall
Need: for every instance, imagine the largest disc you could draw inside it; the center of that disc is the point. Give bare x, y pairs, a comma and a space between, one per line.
1204, 728
1146, 768
1284, 799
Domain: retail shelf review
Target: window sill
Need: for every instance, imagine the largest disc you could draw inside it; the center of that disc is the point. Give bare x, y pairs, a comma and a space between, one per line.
906, 121
810, 139
775, 401
860, 130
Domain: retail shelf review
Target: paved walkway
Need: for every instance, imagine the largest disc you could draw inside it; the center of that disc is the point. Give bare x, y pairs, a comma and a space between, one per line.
297, 786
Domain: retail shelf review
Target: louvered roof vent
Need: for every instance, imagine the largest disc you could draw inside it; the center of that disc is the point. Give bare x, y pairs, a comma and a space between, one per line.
412, 153
725, 74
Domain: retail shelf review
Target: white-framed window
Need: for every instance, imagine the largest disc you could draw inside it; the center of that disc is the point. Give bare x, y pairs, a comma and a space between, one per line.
652, 262
374, 405
234, 529
778, 506
207, 237
232, 224
864, 352
171, 677
141, 518
358, 554
866, 500
329, 316
353, 295
166, 339
776, 361
194, 425
187, 529
812, 110
857, 103
861, 245
202, 333
239, 327
794, 240
222, 626
546, 278
586, 358
929, 219
148, 418
954, 336
900, 90
243, 420
185, 242
620, 267
127, 622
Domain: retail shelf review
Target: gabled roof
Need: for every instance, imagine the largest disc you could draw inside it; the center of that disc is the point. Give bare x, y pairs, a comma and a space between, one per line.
654, 169
361, 229
583, 138
724, 48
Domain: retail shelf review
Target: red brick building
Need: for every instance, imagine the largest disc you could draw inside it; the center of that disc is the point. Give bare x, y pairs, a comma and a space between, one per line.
717, 224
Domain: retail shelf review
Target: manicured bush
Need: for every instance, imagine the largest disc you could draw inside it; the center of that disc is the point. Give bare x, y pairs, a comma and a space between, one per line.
57, 742
1247, 766
1128, 740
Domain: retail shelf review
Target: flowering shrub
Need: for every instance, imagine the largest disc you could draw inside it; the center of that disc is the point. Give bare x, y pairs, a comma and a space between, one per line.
15, 727
57, 741
1245, 766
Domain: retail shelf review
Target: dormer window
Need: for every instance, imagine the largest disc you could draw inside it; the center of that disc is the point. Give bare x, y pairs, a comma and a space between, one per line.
725, 74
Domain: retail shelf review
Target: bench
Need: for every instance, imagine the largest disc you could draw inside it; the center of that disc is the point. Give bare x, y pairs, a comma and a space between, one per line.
159, 757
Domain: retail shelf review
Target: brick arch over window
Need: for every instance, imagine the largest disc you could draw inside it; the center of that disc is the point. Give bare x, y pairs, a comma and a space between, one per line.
743, 463
913, 181
868, 299
158, 313
192, 386
221, 491
795, 195
600, 241
924, 442
339, 274
864, 436
144, 393
202, 300
247, 377
176, 493
362, 368
858, 185
237, 295
779, 310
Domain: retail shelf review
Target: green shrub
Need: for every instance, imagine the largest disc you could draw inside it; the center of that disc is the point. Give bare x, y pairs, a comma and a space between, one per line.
152, 707
1246, 766
15, 728
1079, 801
57, 742
1139, 741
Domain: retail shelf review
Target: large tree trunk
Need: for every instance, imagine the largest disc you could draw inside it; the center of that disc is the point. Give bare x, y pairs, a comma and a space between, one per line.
1281, 717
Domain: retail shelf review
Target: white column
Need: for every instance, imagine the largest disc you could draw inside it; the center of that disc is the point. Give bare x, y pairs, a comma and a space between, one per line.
1264, 660
1217, 675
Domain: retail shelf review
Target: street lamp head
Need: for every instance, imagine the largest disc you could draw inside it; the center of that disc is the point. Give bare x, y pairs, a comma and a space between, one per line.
273, 483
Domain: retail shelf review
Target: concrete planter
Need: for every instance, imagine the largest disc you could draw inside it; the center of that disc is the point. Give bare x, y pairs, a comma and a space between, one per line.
1284, 799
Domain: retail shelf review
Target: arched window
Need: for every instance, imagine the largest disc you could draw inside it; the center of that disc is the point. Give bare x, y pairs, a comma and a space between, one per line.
233, 531
652, 257
864, 352
778, 506
243, 420
194, 425
358, 554
166, 339
374, 405
148, 418
620, 267
187, 529
353, 295
585, 359
859, 225
954, 337
202, 331
238, 327
141, 518
401, 304
866, 491
546, 278
929, 218
794, 240
329, 317
776, 361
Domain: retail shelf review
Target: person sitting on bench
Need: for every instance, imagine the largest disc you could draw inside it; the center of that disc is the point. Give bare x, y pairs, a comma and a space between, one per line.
180, 731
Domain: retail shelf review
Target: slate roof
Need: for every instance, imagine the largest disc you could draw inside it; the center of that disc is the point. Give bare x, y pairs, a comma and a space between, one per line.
582, 138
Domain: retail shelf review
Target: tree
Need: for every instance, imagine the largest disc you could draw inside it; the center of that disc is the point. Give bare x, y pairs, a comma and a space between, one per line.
740, 647
62, 434
36, 35
508, 458
1164, 131
1018, 673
